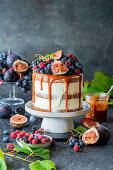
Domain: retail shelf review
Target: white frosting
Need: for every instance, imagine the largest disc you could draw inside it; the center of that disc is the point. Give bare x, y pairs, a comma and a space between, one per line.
57, 92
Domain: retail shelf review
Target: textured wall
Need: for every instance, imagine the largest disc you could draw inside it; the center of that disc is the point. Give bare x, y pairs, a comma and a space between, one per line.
81, 27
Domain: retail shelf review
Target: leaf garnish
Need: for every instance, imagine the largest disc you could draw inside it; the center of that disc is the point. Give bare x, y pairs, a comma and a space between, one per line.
3, 165
43, 153
26, 146
42, 165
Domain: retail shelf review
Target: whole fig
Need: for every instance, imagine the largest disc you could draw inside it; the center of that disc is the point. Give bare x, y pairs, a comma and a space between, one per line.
5, 110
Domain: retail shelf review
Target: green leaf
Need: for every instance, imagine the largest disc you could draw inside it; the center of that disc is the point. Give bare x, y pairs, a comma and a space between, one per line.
20, 149
86, 85
101, 83
81, 129
2, 161
43, 153
26, 146
110, 102
42, 165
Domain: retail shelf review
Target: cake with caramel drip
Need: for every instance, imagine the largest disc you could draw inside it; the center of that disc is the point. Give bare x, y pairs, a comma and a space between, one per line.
57, 83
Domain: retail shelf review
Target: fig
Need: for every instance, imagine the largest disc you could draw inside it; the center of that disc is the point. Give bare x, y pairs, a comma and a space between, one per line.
34, 119
18, 121
20, 66
58, 54
10, 76
104, 133
91, 136
11, 58
88, 123
5, 110
58, 68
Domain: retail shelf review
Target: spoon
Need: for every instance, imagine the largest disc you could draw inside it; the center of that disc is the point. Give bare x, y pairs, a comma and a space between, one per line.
105, 94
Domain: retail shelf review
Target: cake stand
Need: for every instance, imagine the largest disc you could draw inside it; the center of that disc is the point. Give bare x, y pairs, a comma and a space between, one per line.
57, 122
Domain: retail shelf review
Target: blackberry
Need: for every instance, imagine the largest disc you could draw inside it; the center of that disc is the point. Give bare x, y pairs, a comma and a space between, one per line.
72, 67
20, 111
79, 66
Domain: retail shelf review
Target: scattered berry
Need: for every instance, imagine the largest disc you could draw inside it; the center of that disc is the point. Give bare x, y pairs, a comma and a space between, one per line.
10, 146
76, 148
37, 132
41, 130
1, 82
81, 144
23, 133
13, 135
5, 139
42, 65
4, 71
34, 141
71, 144
20, 111
52, 142
5, 132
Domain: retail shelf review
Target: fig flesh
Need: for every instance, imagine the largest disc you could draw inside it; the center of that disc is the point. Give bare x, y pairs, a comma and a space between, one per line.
20, 66
18, 121
88, 123
91, 136
59, 68
11, 58
58, 54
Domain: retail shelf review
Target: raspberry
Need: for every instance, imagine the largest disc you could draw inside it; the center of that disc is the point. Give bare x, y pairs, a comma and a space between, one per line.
30, 138
34, 141
77, 71
13, 135
43, 140
23, 133
40, 137
42, 65
69, 55
52, 142
19, 136
10, 146
67, 63
47, 139
1, 82
37, 132
35, 67
49, 61
76, 148
41, 130
28, 134
4, 71
17, 132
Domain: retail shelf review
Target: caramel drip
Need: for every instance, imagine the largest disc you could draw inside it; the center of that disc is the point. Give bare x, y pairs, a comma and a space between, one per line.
50, 79
41, 80
80, 79
66, 93
33, 87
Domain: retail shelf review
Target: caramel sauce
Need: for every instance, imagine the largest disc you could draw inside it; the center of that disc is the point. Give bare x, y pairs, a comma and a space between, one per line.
49, 78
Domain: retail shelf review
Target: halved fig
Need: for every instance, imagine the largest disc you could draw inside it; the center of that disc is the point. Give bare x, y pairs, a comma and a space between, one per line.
58, 54
59, 68
88, 123
91, 136
20, 66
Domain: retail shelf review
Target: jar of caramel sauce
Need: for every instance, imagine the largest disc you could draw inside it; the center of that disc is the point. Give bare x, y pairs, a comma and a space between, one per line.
99, 105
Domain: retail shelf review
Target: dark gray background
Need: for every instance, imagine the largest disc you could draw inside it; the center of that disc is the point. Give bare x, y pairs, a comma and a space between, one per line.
81, 27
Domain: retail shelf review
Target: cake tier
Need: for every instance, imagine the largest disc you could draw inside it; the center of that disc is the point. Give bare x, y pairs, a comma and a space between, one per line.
57, 93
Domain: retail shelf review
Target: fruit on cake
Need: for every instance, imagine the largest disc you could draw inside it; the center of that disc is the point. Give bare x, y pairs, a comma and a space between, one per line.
57, 83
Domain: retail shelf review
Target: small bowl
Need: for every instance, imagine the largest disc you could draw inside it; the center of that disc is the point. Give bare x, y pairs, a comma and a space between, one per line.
37, 146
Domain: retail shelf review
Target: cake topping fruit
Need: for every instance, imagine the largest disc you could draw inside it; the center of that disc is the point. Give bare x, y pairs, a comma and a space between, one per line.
20, 66
18, 121
59, 68
43, 64
58, 54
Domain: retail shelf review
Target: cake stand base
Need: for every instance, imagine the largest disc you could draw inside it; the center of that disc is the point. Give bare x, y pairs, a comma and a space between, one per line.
57, 122
57, 125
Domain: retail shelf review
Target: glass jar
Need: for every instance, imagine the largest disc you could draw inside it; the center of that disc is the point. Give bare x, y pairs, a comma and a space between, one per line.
99, 105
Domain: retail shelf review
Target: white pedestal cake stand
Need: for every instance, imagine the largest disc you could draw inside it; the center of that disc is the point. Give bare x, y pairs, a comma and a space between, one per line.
57, 122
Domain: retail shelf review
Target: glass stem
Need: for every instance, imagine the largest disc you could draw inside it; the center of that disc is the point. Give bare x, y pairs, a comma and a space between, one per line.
12, 91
